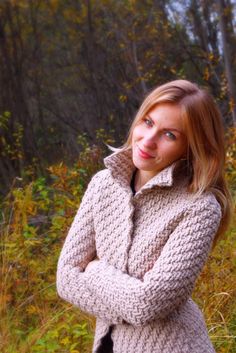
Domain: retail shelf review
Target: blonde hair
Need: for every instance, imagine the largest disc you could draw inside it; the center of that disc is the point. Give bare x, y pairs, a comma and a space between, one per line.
205, 133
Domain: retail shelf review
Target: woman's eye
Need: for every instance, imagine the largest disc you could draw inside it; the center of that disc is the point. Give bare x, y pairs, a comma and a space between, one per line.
170, 135
147, 122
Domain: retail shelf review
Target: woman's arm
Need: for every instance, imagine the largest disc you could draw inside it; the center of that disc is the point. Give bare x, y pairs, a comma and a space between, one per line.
170, 282
78, 250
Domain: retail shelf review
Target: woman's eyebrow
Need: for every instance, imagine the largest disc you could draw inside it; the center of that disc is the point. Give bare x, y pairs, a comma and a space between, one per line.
173, 129
166, 128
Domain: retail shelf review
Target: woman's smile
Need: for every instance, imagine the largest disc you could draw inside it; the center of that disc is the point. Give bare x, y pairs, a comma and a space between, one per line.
144, 154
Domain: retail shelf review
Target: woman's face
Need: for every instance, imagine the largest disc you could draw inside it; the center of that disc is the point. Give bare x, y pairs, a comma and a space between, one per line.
158, 139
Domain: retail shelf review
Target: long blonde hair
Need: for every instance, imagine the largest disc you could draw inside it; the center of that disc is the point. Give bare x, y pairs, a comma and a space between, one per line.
205, 133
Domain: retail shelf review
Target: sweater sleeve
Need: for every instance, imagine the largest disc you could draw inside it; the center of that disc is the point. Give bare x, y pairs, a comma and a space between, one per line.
78, 250
171, 280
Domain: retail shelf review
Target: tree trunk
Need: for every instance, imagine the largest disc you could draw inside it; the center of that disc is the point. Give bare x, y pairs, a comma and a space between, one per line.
227, 56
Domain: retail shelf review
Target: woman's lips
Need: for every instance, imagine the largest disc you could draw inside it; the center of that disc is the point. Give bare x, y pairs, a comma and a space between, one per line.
144, 154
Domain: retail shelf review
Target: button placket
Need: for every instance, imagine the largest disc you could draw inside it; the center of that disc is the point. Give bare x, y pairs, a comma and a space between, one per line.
131, 207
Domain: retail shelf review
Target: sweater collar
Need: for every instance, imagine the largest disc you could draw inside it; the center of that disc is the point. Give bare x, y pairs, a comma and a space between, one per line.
122, 167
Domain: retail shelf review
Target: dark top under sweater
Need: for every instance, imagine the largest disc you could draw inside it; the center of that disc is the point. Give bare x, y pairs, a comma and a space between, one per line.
106, 344
132, 182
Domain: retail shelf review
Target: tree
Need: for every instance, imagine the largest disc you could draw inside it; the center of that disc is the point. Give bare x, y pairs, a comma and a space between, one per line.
228, 37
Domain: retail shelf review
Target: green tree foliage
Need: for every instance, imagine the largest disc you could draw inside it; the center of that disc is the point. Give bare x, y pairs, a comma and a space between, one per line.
73, 67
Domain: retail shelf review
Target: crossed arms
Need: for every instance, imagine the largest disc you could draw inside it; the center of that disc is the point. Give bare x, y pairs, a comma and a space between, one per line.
106, 292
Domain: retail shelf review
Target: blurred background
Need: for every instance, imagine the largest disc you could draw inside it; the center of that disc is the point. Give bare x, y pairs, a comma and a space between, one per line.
75, 70
72, 76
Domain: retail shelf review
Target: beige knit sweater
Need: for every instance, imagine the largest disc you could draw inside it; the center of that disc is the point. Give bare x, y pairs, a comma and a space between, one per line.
151, 248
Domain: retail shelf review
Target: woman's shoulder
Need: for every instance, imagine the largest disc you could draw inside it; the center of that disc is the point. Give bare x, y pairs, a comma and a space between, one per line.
95, 185
101, 175
100, 179
206, 200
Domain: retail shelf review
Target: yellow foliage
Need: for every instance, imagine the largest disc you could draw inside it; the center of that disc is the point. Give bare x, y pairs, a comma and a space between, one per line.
31, 309
231, 105
206, 74
65, 341
123, 98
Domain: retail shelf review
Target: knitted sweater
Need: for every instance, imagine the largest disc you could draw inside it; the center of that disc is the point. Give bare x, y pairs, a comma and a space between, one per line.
151, 248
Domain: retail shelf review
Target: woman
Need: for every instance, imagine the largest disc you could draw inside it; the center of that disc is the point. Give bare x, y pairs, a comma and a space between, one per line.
151, 218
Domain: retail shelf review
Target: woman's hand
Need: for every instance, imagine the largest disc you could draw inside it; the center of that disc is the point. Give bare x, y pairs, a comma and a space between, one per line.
90, 264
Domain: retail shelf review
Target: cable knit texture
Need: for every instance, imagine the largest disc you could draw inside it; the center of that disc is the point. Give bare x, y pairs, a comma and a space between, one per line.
151, 248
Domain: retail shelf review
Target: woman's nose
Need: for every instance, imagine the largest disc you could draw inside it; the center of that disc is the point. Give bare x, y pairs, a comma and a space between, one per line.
150, 142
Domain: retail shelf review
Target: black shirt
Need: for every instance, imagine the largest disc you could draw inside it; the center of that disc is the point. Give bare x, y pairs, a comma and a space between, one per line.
132, 182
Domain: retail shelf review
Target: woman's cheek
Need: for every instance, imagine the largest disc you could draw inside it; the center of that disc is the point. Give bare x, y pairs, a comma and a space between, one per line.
135, 133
